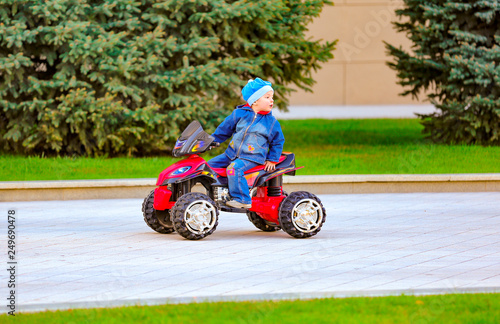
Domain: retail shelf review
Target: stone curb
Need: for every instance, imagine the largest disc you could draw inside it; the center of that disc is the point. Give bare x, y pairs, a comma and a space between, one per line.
318, 184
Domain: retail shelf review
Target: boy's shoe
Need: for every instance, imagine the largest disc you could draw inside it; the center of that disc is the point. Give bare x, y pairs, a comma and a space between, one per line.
237, 204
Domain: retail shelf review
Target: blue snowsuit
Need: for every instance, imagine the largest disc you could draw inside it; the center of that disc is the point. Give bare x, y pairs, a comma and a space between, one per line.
257, 138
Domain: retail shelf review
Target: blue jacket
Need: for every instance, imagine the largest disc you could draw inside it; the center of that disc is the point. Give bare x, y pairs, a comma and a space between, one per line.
256, 138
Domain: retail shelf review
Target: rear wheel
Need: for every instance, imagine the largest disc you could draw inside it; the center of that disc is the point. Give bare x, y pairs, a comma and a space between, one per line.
301, 214
258, 221
195, 216
261, 223
158, 220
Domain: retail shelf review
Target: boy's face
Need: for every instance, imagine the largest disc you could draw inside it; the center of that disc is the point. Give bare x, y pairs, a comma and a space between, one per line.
265, 103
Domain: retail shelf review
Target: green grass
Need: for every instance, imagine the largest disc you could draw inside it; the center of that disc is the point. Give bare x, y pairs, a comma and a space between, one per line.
380, 146
453, 308
17, 168
367, 146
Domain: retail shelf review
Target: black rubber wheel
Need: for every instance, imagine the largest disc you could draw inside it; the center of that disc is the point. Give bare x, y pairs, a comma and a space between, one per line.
301, 214
261, 223
195, 216
158, 220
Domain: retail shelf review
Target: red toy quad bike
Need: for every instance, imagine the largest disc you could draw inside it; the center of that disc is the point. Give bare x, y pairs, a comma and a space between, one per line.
194, 215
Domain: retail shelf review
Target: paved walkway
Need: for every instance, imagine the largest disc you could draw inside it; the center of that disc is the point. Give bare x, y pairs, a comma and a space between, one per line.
354, 112
99, 252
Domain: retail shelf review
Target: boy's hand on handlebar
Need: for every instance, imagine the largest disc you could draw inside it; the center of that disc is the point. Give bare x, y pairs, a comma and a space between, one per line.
269, 166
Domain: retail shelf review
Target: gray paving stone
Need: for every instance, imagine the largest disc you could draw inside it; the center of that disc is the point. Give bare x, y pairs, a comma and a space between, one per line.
99, 252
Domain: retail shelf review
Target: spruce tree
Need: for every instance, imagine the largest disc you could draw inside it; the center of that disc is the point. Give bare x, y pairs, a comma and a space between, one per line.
455, 57
94, 77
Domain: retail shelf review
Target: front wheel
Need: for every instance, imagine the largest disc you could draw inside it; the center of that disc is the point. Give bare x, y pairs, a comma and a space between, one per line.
195, 216
158, 220
301, 214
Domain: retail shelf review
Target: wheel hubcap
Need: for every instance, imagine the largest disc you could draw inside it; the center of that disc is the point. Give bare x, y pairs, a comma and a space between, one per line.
200, 217
307, 215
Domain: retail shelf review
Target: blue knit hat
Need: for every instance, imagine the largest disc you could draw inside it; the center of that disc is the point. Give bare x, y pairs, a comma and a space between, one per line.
255, 89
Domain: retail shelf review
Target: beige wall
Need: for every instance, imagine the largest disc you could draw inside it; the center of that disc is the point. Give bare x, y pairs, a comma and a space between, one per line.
358, 74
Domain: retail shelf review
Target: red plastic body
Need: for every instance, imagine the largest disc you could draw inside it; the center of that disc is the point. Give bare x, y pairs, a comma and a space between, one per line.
162, 198
193, 161
265, 206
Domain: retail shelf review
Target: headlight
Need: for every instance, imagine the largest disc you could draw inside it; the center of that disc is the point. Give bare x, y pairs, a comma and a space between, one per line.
181, 170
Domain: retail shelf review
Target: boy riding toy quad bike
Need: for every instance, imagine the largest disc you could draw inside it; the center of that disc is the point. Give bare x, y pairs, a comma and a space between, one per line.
172, 206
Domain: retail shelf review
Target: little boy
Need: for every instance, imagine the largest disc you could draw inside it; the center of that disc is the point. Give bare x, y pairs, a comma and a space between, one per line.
257, 139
